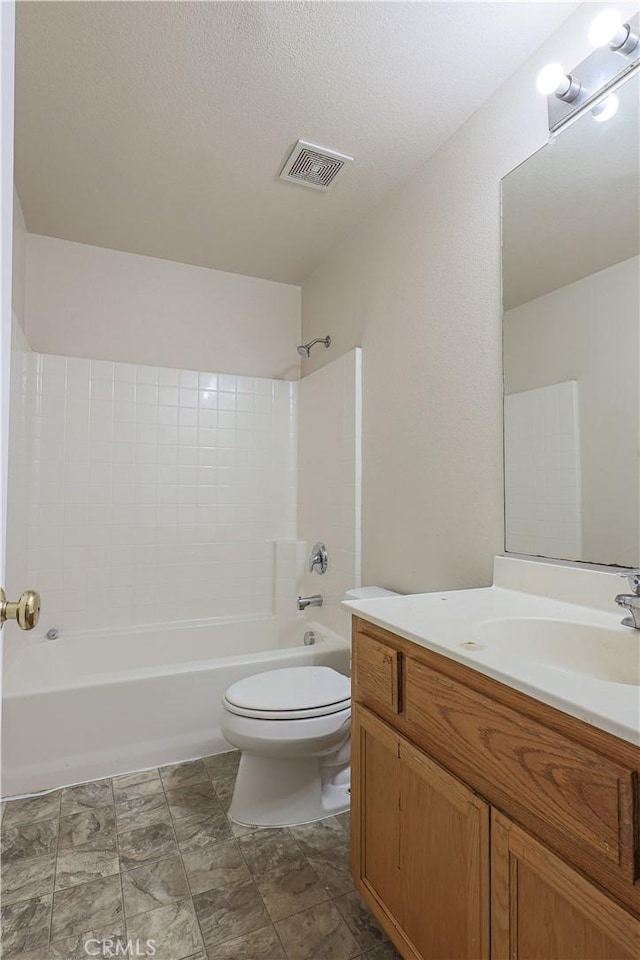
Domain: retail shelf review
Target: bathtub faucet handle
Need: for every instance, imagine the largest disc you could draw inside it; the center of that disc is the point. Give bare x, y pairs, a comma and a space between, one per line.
318, 561
26, 611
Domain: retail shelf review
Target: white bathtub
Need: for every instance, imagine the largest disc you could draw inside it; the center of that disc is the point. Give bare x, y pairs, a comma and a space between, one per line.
81, 708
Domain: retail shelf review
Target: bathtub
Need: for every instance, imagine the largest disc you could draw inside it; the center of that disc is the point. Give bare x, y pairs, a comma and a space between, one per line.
85, 707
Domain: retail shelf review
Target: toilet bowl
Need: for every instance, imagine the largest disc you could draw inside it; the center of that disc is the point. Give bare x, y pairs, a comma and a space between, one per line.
292, 727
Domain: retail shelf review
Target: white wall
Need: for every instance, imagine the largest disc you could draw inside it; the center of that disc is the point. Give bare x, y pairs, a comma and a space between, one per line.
85, 301
588, 331
330, 481
417, 284
157, 493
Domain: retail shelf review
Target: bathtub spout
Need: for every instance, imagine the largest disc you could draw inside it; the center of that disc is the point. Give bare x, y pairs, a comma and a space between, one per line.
314, 601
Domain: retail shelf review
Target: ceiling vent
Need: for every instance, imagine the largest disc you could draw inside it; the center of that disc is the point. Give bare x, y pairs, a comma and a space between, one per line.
313, 166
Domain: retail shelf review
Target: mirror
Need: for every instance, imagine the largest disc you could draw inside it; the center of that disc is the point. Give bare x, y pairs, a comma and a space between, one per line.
571, 342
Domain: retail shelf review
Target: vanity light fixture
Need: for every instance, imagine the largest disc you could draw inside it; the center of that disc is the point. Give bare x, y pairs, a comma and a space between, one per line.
600, 73
554, 80
608, 30
606, 109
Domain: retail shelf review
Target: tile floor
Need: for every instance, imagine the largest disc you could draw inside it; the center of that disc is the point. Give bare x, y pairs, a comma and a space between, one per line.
153, 856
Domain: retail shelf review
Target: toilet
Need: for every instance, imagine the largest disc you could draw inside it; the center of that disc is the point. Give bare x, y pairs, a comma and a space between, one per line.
292, 727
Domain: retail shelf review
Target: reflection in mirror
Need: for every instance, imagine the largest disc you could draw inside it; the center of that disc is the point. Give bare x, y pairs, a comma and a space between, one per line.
571, 281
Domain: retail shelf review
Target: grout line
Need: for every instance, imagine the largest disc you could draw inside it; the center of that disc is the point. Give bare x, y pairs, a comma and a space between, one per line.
178, 848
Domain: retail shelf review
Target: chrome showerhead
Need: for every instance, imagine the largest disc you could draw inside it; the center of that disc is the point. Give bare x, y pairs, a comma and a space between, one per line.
305, 348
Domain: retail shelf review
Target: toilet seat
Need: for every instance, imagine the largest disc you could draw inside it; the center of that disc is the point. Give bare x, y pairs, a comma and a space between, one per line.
295, 693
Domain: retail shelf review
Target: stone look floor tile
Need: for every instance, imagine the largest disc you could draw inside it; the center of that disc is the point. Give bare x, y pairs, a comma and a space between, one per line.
92, 830
345, 820
385, 952
144, 844
173, 929
86, 907
154, 855
215, 866
24, 926
86, 796
45, 807
223, 765
142, 811
229, 912
77, 867
266, 849
320, 836
100, 943
360, 921
198, 800
26, 840
333, 869
130, 786
184, 774
260, 945
319, 933
289, 888
153, 885
224, 791
27, 879
197, 833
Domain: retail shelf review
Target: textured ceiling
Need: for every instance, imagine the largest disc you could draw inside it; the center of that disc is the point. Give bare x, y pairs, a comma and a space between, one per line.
160, 128
574, 207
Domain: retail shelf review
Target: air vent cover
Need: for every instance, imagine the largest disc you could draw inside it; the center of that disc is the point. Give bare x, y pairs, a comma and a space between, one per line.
313, 166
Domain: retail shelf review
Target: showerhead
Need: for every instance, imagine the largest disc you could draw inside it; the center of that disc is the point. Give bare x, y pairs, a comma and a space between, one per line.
305, 348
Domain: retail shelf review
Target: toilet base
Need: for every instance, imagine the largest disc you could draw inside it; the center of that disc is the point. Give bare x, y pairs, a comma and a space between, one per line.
282, 793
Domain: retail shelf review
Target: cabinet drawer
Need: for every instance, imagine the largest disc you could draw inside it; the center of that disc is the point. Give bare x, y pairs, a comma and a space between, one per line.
376, 673
576, 799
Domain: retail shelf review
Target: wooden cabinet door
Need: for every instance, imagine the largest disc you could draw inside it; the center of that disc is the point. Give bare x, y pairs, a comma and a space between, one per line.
420, 847
375, 810
444, 859
542, 909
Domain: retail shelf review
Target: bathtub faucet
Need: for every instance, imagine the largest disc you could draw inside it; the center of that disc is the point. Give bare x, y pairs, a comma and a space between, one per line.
314, 601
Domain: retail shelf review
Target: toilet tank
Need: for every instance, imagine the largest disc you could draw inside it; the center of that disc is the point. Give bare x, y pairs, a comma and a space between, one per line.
366, 593
369, 593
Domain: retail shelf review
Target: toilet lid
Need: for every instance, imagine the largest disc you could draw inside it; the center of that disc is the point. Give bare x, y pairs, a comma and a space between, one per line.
294, 689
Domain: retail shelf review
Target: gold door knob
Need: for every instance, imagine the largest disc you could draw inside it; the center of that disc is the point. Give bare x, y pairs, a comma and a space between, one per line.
26, 611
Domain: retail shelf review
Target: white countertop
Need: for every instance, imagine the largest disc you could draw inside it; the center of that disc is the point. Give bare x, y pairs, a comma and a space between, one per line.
442, 622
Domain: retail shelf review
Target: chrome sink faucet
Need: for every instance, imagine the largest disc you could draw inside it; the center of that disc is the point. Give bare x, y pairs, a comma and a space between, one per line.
631, 601
314, 601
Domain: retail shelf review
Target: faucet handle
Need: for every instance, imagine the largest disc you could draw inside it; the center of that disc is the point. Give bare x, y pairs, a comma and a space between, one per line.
318, 561
633, 579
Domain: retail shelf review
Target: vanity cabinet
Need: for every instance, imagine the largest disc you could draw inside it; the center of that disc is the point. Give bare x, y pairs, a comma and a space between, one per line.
543, 909
484, 823
422, 847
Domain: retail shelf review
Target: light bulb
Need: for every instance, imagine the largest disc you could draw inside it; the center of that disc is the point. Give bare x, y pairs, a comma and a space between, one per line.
606, 109
608, 30
552, 79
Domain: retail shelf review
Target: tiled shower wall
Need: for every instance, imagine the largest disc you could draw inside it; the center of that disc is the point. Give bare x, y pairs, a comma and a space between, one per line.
156, 494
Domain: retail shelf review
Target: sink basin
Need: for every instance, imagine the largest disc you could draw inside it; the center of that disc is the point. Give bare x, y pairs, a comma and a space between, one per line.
605, 653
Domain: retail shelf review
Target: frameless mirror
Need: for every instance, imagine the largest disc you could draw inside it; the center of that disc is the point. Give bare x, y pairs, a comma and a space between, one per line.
571, 338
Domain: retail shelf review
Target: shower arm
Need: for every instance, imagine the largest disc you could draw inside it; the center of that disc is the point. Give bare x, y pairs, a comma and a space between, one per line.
305, 348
